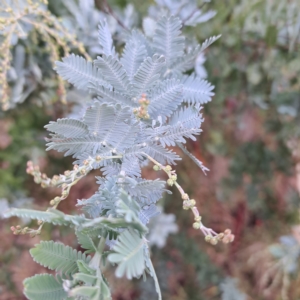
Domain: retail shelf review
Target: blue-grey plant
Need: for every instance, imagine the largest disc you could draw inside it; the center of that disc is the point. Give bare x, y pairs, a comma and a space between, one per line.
22, 22
145, 101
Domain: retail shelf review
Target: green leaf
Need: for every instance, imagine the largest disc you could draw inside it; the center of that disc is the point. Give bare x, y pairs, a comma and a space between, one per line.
44, 286
53, 216
86, 278
129, 254
85, 291
85, 268
127, 207
59, 257
86, 241
111, 225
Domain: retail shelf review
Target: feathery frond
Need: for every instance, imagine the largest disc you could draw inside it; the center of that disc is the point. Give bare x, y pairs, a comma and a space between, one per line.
208, 42
58, 257
109, 97
185, 63
196, 90
86, 241
165, 98
105, 39
98, 118
147, 74
167, 39
148, 212
69, 128
44, 286
113, 72
129, 254
133, 55
161, 154
79, 72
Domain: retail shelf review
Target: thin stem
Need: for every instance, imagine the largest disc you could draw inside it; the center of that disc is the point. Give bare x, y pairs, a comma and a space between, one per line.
153, 273
192, 13
111, 12
96, 260
210, 235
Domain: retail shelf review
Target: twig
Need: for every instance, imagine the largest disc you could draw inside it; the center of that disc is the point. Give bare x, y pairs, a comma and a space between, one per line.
111, 12
192, 13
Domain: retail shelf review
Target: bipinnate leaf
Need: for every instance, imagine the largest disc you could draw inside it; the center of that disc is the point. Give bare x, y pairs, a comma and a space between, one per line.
69, 128
148, 74
208, 42
166, 97
129, 254
86, 241
167, 40
58, 257
79, 72
196, 90
161, 154
45, 287
113, 72
133, 55
83, 267
105, 39
52, 216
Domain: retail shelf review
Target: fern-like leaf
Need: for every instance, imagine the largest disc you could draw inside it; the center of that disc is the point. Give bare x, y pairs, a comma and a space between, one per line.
133, 55
165, 98
44, 286
79, 72
148, 212
113, 72
109, 97
53, 216
147, 74
185, 123
98, 118
147, 191
196, 90
58, 257
76, 146
86, 241
161, 154
185, 63
129, 254
167, 40
105, 39
208, 42
69, 128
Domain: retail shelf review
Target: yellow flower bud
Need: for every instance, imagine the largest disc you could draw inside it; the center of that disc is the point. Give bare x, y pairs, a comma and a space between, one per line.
170, 182
198, 218
208, 238
196, 225
185, 197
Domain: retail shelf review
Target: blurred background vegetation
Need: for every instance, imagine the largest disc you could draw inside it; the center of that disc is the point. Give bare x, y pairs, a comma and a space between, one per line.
250, 143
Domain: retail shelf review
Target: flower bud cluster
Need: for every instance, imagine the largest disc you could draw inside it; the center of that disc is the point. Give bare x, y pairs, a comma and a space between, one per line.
18, 230
156, 168
187, 204
142, 111
39, 178
210, 235
224, 237
66, 181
